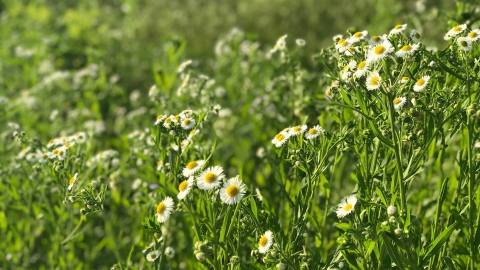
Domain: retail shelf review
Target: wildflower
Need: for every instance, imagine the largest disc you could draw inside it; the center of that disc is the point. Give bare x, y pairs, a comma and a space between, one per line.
31, 157
297, 130
343, 45
391, 210
379, 51
407, 50
188, 123
415, 36
153, 256
72, 181
23, 152
300, 42
232, 191
351, 51
281, 45
477, 145
148, 247
169, 252
373, 81
464, 43
337, 37
328, 93
211, 178
474, 35
346, 206
361, 69
61, 153
175, 119
376, 40
183, 66
421, 84
184, 188
455, 31
358, 36
160, 119
404, 79
398, 29
167, 123
153, 91
399, 102
335, 83
159, 165
280, 138
258, 194
192, 167
43, 157
314, 132
164, 209
265, 242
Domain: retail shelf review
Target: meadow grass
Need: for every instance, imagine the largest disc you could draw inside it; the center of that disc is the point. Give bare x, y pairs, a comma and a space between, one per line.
367, 159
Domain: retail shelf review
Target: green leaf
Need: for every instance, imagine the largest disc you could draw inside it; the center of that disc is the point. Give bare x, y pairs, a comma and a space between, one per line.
381, 196
437, 244
344, 226
396, 257
253, 206
449, 263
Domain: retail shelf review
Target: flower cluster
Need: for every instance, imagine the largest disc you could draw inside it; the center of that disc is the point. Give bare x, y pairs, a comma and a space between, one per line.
283, 136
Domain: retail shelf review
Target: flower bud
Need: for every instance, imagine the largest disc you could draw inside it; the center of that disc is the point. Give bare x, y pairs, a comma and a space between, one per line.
391, 210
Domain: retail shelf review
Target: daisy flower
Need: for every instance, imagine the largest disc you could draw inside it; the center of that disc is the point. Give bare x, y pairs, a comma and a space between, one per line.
464, 43
455, 31
421, 84
169, 252
43, 157
399, 102
398, 29
361, 69
153, 256
346, 206
415, 36
376, 40
148, 247
192, 167
280, 45
300, 42
358, 36
373, 81
404, 79
281, 138
61, 153
164, 209
407, 50
335, 83
175, 118
265, 242
296, 130
328, 93
184, 188
188, 123
379, 51
159, 165
72, 181
160, 119
474, 35
313, 132
167, 123
31, 157
337, 37
344, 45
258, 194
232, 191
211, 178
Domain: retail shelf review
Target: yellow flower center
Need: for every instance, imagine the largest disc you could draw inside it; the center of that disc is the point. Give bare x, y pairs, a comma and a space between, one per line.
45, 156
210, 177
168, 120
358, 34
186, 122
417, 35
463, 43
297, 129
379, 50
55, 151
457, 28
405, 78
397, 101
153, 256
312, 131
263, 241
406, 48
159, 163
60, 153
340, 41
191, 165
362, 65
161, 208
472, 34
159, 117
71, 180
51, 141
376, 38
176, 117
344, 43
328, 92
279, 137
398, 26
421, 82
375, 80
183, 185
232, 191
348, 207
